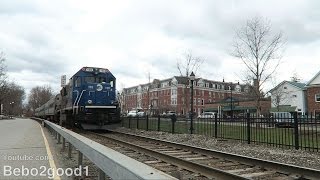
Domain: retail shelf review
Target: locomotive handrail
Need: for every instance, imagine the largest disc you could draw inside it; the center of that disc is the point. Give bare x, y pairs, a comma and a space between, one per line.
80, 97
74, 104
111, 162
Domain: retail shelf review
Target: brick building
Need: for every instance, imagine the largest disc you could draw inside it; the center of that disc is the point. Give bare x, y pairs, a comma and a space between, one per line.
173, 94
313, 95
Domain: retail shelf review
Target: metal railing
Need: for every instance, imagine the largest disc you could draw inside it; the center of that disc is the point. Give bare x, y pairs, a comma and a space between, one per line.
281, 131
110, 162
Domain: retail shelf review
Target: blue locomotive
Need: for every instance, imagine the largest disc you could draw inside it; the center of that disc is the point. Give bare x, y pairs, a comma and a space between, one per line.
88, 101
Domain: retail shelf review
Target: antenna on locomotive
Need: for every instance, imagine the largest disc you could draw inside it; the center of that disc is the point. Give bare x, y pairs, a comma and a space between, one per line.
63, 81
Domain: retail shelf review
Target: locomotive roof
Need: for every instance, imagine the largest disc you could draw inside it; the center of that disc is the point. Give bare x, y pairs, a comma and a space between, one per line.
93, 69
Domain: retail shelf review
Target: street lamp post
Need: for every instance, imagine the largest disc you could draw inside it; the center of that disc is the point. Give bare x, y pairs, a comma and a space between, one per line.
11, 108
192, 77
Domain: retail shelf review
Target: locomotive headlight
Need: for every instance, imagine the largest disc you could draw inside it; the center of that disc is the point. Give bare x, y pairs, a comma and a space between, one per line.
89, 101
103, 70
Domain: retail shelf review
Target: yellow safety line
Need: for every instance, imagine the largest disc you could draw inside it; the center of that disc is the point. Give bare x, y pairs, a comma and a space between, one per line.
50, 157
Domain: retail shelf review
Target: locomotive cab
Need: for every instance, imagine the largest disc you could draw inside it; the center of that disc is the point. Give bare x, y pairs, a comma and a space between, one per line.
92, 98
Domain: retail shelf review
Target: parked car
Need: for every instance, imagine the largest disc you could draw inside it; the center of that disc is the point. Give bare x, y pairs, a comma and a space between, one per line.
168, 114
141, 114
207, 115
132, 113
283, 119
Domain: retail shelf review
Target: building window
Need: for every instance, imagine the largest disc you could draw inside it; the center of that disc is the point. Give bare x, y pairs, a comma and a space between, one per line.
173, 101
285, 87
207, 85
294, 95
174, 92
317, 97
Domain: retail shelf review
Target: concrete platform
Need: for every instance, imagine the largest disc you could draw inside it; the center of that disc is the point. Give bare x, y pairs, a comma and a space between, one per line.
27, 151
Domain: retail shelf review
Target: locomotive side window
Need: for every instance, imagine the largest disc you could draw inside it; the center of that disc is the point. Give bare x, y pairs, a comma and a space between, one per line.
111, 83
77, 82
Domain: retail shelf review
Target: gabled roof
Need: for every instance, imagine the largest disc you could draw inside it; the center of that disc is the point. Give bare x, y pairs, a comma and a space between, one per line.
182, 79
295, 84
314, 77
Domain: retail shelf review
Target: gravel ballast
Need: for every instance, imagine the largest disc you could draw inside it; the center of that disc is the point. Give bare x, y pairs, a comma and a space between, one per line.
302, 158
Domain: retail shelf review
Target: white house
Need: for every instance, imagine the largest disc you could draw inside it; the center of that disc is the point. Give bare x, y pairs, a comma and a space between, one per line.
289, 94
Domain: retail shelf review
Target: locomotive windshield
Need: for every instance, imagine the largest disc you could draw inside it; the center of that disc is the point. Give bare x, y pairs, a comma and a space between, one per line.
91, 79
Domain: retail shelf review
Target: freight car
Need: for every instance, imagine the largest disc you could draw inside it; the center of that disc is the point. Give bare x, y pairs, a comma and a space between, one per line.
88, 101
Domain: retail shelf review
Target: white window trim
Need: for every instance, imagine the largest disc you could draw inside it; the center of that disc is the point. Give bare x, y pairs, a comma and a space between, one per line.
315, 97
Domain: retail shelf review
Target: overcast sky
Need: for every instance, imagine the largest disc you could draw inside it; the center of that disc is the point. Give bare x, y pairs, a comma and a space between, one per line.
44, 39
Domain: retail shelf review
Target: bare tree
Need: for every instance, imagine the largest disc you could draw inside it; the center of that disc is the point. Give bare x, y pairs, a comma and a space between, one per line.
3, 78
189, 63
295, 77
15, 94
260, 50
39, 95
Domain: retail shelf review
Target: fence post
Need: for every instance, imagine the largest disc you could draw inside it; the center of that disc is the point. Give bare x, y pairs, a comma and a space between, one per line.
59, 139
80, 158
101, 175
147, 122
138, 122
122, 121
158, 122
296, 131
248, 128
130, 122
63, 143
69, 149
216, 126
173, 121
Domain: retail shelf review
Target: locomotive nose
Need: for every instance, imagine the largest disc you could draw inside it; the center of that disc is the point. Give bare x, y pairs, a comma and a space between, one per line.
99, 87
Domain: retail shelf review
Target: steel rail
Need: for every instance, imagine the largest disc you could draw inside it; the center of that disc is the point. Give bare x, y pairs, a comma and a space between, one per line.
191, 166
297, 171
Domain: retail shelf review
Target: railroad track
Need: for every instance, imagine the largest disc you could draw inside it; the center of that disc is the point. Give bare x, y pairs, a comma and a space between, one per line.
187, 162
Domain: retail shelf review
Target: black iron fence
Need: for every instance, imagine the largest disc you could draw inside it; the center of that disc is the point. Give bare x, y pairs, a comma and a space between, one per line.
281, 130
